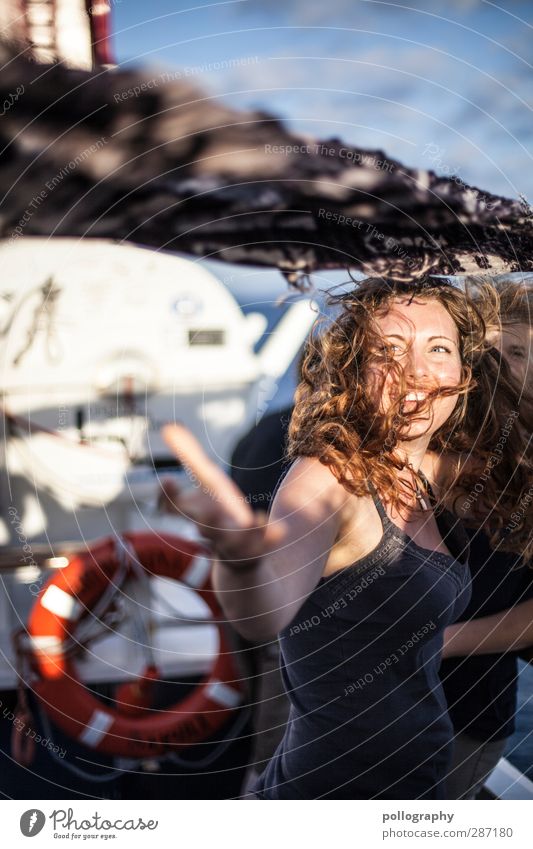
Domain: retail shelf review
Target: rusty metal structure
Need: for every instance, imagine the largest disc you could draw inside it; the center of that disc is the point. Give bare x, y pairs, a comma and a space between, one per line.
73, 32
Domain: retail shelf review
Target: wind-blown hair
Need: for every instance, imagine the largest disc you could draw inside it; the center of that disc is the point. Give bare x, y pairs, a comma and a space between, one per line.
512, 299
504, 302
339, 421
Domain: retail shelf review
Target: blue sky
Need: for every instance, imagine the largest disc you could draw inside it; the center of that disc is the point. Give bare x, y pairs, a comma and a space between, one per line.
442, 85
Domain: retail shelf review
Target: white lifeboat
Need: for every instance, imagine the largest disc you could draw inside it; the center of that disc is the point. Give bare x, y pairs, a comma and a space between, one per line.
100, 345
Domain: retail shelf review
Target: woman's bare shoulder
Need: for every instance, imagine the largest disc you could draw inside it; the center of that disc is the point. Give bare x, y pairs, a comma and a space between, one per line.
341, 525
310, 482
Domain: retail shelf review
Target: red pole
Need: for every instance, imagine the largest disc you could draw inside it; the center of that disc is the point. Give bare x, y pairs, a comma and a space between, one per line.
99, 12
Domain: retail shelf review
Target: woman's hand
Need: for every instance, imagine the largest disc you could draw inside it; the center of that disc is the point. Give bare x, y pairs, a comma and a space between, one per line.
238, 536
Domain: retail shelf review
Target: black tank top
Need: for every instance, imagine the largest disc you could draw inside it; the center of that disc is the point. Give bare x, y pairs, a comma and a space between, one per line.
360, 661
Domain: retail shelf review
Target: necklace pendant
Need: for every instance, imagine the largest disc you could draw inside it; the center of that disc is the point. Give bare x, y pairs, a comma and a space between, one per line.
422, 501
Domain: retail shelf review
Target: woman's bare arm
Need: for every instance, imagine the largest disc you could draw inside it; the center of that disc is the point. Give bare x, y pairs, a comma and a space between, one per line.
508, 630
264, 569
262, 600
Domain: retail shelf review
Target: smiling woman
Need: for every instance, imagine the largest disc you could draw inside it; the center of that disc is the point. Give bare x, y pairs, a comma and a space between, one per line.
390, 374
406, 368
358, 569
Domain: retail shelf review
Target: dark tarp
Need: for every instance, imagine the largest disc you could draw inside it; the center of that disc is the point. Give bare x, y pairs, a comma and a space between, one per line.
129, 155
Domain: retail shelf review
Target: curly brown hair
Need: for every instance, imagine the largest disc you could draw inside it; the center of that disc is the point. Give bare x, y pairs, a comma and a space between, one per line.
336, 419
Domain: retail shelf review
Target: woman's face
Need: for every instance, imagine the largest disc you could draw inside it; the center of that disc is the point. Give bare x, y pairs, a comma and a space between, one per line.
515, 343
421, 336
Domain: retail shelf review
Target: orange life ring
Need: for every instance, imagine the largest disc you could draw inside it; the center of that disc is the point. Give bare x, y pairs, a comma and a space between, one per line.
71, 594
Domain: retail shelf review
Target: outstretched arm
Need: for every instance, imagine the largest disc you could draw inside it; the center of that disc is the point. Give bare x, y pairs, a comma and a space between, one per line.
508, 630
265, 568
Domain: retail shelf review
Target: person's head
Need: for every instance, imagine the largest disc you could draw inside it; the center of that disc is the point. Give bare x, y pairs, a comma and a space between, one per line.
512, 334
514, 341
388, 375
414, 363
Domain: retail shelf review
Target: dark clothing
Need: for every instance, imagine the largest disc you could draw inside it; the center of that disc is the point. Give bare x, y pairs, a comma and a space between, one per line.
481, 689
258, 461
472, 763
368, 716
257, 465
